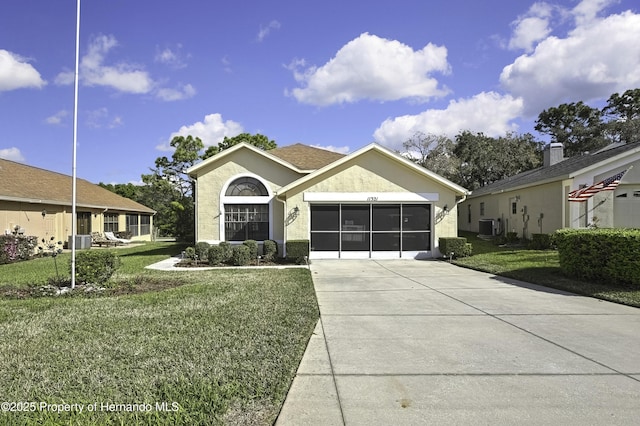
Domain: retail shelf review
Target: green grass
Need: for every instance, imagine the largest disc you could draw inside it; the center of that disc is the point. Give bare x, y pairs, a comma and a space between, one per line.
222, 345
38, 271
538, 267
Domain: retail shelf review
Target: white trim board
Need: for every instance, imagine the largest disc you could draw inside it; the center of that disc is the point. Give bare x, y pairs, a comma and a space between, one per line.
371, 197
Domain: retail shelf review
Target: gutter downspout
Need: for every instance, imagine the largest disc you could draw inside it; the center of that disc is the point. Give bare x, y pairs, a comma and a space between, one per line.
284, 225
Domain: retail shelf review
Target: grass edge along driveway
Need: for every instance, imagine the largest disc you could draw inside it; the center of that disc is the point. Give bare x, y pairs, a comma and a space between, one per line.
539, 267
222, 348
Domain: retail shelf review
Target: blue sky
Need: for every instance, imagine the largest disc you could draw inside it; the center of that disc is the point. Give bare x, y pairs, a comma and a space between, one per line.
334, 74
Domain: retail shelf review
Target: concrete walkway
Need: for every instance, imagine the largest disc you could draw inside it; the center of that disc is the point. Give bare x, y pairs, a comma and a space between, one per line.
405, 342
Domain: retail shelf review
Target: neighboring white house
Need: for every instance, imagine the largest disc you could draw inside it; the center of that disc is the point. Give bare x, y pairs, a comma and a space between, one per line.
537, 201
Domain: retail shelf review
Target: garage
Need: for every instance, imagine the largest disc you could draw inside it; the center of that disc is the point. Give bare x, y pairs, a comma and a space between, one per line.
626, 206
368, 230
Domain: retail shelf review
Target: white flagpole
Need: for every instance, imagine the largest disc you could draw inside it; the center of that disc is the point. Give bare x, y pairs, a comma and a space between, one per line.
74, 216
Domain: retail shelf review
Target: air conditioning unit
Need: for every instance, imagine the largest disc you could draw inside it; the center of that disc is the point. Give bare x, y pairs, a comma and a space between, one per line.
486, 227
83, 242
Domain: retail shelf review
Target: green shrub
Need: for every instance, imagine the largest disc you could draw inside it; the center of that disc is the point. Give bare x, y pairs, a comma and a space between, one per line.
216, 255
512, 237
226, 249
190, 253
298, 251
270, 250
95, 266
202, 249
600, 255
455, 247
253, 248
240, 255
540, 242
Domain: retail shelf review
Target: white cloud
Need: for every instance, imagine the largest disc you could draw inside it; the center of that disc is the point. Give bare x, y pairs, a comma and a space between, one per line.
12, 154
487, 112
211, 131
339, 149
587, 10
57, 118
17, 73
101, 118
266, 30
172, 57
592, 62
123, 77
226, 64
370, 67
531, 28
186, 91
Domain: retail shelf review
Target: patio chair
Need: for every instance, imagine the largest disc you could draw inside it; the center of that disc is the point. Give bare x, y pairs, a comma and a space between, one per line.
99, 240
111, 237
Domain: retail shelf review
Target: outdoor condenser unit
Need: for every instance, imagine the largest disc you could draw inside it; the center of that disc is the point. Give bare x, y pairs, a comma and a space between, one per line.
486, 227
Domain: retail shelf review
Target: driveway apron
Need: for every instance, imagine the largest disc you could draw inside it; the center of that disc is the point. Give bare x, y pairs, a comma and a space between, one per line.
408, 342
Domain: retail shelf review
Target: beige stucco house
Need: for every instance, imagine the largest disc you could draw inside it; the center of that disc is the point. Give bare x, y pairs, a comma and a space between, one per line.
537, 201
372, 203
38, 202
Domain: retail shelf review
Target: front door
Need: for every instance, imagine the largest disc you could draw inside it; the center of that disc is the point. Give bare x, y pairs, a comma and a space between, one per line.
83, 223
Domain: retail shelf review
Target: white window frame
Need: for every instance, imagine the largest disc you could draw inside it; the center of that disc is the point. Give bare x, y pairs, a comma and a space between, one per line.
230, 199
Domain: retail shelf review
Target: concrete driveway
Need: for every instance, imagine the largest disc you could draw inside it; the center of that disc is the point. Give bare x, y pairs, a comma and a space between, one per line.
425, 342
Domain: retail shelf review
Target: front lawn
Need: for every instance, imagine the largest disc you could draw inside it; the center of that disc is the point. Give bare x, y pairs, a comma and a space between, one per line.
209, 347
538, 267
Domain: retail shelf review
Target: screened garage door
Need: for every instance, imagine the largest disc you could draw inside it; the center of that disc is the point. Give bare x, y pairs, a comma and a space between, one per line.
370, 230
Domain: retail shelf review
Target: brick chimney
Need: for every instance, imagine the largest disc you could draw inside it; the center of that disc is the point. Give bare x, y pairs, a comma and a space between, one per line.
553, 154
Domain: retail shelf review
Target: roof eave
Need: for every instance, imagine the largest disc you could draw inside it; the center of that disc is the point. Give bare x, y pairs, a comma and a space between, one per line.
191, 171
68, 203
390, 154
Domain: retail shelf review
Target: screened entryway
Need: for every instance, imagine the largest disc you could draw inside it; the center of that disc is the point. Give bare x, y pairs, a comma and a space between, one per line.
370, 230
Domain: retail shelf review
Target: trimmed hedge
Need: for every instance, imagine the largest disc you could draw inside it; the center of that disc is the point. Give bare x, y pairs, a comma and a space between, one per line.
456, 245
298, 250
227, 249
611, 255
217, 255
95, 266
540, 242
202, 249
240, 255
253, 248
270, 250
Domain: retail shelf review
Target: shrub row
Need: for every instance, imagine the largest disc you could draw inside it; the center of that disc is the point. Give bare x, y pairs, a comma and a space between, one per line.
455, 247
236, 255
611, 255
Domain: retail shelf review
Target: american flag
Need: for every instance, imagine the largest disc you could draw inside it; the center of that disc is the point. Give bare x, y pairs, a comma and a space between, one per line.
609, 184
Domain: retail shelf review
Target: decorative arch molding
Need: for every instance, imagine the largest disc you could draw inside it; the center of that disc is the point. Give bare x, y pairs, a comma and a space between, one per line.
241, 210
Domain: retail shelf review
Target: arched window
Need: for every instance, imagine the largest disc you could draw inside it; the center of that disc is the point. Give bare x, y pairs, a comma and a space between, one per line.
246, 187
246, 210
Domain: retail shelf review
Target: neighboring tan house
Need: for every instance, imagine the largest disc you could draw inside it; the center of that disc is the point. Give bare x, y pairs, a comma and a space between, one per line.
537, 201
38, 202
371, 203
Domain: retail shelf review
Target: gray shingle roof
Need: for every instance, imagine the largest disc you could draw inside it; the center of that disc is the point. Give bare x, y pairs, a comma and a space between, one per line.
555, 172
20, 182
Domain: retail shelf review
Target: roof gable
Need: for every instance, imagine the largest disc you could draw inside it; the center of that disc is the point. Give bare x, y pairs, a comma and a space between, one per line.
196, 169
20, 182
392, 156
